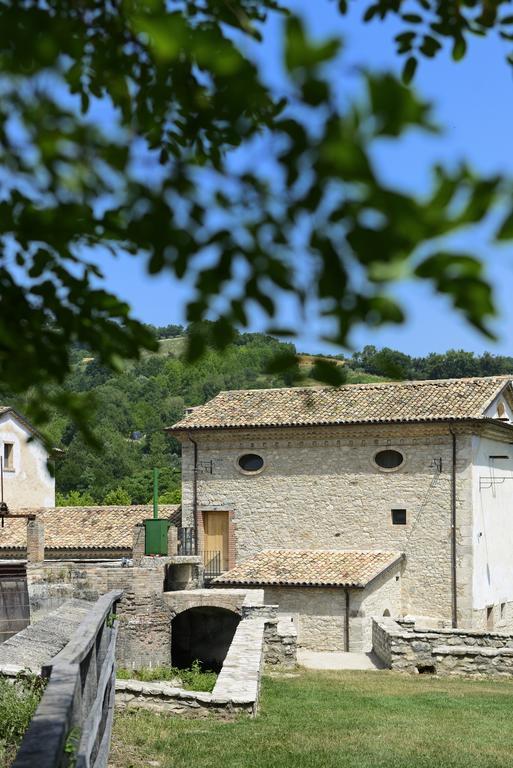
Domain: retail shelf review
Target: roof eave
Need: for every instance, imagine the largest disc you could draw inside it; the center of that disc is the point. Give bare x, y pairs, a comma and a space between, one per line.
264, 583
181, 428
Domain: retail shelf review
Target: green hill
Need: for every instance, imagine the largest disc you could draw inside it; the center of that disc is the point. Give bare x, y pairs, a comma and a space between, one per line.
132, 407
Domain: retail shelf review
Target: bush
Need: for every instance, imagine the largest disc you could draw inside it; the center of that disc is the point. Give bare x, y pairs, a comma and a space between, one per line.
117, 497
171, 497
193, 679
74, 499
18, 702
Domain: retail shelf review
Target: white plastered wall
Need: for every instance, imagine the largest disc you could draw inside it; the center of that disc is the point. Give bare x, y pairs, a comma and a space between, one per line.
492, 526
501, 408
28, 483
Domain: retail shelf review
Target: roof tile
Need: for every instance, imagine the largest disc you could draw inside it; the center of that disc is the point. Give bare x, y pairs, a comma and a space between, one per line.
308, 567
412, 401
84, 527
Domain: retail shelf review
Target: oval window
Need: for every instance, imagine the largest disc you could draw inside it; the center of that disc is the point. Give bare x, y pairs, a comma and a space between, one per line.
389, 459
250, 462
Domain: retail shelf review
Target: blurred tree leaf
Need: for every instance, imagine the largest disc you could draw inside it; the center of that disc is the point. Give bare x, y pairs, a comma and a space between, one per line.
118, 125
436, 22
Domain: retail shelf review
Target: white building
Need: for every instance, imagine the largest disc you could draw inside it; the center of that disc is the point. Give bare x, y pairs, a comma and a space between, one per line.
26, 479
367, 499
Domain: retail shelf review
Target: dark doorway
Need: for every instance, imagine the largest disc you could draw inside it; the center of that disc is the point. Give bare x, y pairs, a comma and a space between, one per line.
202, 634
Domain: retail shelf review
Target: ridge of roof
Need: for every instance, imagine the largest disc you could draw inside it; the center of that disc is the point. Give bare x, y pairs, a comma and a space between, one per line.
428, 400
368, 385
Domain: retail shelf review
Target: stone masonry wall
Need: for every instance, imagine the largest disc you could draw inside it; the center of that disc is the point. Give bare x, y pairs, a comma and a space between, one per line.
500, 618
144, 628
280, 643
146, 612
383, 594
321, 490
318, 614
443, 651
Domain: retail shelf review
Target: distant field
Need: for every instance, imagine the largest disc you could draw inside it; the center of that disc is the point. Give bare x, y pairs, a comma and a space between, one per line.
336, 720
174, 346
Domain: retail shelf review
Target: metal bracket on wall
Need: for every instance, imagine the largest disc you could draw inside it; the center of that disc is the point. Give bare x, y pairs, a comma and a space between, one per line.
437, 464
491, 482
205, 467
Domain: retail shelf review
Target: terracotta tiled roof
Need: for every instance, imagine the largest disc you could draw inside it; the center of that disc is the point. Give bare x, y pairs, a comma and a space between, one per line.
312, 568
84, 527
412, 401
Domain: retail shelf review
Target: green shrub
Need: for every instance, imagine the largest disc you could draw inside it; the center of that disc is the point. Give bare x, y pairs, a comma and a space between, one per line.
74, 499
171, 497
193, 679
18, 702
117, 497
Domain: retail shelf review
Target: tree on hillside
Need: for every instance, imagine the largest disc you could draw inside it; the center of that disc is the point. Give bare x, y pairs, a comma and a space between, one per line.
119, 130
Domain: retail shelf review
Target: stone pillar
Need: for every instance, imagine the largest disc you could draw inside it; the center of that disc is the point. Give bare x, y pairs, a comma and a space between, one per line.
172, 541
35, 541
138, 542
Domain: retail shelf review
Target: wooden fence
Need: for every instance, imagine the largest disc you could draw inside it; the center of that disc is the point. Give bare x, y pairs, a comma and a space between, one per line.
72, 725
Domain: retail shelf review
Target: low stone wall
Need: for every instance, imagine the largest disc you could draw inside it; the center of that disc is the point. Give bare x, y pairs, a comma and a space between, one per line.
280, 642
236, 690
442, 651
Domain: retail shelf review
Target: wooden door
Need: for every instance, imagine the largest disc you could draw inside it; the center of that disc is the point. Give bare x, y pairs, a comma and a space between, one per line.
215, 548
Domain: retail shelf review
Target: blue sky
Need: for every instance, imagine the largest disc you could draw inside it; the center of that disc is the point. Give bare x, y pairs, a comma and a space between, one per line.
473, 101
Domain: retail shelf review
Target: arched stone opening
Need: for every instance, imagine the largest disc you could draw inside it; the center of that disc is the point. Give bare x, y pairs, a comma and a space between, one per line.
386, 612
204, 634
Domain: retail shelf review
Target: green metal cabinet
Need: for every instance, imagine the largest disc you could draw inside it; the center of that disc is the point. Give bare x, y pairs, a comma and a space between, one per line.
155, 540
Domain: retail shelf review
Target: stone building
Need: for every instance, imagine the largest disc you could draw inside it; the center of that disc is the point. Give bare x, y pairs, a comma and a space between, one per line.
413, 480
26, 479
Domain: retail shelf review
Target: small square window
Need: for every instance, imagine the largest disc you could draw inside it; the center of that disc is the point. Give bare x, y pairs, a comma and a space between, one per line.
8, 455
398, 517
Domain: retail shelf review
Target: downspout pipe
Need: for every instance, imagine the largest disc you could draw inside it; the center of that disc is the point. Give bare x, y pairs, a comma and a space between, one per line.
454, 596
346, 623
195, 493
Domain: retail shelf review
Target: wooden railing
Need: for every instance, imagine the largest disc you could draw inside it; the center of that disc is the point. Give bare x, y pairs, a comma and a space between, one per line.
73, 722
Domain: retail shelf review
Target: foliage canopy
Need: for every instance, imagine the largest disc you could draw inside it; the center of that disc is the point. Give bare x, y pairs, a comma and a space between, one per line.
120, 124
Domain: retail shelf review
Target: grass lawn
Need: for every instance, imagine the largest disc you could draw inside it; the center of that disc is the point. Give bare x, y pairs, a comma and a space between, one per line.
324, 719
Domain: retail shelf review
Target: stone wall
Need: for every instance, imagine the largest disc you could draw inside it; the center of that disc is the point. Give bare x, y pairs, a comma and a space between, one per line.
319, 613
320, 489
145, 611
498, 617
382, 595
280, 643
144, 628
443, 651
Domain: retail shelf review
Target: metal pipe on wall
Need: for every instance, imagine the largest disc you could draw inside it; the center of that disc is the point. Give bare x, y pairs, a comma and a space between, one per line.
346, 623
195, 493
454, 585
